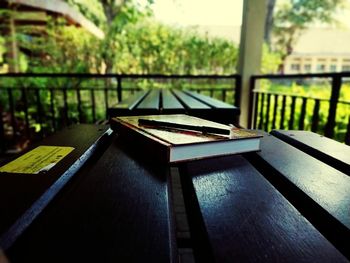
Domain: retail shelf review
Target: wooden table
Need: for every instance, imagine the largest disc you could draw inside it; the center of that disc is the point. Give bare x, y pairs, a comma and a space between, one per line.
110, 202
164, 101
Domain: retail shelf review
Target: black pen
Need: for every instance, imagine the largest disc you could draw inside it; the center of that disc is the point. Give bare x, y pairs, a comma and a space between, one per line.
164, 124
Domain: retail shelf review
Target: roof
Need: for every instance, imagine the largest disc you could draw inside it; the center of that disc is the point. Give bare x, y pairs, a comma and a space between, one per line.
62, 8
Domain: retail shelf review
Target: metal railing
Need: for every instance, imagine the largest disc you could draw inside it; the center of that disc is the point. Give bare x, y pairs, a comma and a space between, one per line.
35, 105
283, 110
32, 109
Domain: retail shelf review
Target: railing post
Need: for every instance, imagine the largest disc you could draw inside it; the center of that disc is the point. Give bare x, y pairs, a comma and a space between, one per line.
39, 111
347, 135
119, 88
238, 90
251, 102
2, 134
315, 116
25, 108
65, 108
336, 85
12, 113
52, 109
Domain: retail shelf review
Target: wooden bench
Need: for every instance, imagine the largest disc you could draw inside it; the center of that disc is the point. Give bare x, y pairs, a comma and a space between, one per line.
327, 150
164, 101
279, 204
24, 196
115, 209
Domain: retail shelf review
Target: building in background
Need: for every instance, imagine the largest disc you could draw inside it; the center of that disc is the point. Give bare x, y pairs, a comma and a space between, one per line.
320, 50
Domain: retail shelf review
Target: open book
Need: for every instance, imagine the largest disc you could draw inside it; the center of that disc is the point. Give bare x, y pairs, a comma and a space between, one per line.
174, 144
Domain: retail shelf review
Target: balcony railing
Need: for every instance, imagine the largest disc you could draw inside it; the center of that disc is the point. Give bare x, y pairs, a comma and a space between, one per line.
322, 110
35, 105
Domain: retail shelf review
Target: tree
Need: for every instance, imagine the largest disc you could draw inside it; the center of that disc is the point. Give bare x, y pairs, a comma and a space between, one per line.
292, 17
118, 14
150, 47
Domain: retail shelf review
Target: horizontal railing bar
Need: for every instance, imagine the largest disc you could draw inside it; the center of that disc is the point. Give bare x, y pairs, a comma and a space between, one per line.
299, 96
308, 75
72, 89
102, 89
145, 76
218, 89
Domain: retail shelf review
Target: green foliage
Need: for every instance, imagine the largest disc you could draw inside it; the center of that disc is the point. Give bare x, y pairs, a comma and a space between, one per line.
63, 49
2, 49
310, 90
150, 47
292, 17
91, 9
270, 61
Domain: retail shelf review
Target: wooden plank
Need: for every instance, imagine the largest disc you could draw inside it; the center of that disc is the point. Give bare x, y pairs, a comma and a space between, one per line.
316, 189
240, 217
188, 101
126, 107
221, 112
327, 150
200, 108
116, 210
151, 102
24, 196
170, 103
131, 102
214, 103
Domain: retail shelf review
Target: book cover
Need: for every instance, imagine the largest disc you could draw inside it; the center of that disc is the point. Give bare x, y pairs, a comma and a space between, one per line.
175, 145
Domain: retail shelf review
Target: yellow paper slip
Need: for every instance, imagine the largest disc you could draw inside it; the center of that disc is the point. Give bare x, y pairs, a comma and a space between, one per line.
40, 159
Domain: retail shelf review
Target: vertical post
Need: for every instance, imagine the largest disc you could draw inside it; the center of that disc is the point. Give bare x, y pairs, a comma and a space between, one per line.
52, 109
12, 113
256, 105
347, 135
275, 111
302, 114
39, 111
315, 116
119, 88
106, 102
252, 33
238, 90
66, 121
93, 105
267, 117
262, 101
80, 111
283, 111
336, 84
25, 108
12, 49
252, 104
2, 133
292, 113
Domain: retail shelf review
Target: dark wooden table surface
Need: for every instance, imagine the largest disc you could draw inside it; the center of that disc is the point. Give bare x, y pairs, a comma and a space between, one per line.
165, 101
110, 202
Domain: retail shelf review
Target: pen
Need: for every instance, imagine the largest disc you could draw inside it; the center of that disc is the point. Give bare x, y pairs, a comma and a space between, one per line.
163, 124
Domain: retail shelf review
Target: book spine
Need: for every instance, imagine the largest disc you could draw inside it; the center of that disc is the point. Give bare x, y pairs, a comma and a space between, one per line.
142, 145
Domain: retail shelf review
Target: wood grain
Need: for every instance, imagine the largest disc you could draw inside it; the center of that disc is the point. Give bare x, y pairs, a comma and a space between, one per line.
245, 219
24, 196
115, 210
316, 189
329, 151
